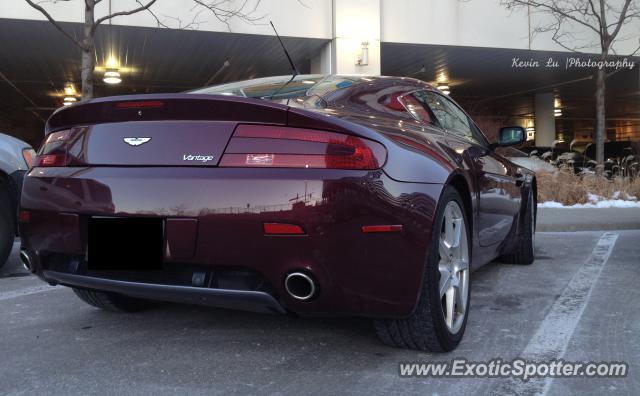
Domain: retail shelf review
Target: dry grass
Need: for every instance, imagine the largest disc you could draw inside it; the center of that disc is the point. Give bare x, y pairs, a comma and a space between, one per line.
568, 188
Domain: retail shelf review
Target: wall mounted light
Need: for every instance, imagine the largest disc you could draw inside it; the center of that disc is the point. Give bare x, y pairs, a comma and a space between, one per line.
363, 57
530, 129
531, 133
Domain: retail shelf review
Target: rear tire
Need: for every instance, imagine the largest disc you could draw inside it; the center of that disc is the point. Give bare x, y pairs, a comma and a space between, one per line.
429, 328
112, 302
524, 251
7, 225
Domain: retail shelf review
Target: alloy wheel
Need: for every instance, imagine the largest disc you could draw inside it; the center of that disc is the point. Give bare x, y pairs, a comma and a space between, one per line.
453, 267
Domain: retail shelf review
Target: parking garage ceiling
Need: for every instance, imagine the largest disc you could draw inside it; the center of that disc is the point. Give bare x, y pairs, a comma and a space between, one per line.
38, 61
486, 78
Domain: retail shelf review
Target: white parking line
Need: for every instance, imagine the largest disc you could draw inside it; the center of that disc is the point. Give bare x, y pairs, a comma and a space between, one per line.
28, 291
552, 337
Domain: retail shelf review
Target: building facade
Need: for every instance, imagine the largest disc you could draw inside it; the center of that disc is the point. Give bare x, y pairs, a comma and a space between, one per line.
490, 58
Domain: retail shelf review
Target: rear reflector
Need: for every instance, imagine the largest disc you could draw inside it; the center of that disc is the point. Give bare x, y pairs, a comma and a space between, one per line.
24, 216
381, 228
282, 229
284, 147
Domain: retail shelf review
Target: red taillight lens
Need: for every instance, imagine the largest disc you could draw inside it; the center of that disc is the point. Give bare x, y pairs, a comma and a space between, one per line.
51, 160
284, 147
55, 150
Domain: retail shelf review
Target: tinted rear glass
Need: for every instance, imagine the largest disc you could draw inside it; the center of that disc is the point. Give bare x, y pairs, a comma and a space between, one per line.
302, 91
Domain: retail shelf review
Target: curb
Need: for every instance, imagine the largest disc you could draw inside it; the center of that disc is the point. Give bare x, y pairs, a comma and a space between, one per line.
587, 219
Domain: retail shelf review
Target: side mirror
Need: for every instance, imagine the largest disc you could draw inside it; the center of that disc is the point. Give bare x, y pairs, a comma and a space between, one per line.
511, 136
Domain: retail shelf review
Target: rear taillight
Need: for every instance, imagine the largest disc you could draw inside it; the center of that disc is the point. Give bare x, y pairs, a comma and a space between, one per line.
46, 160
56, 149
284, 147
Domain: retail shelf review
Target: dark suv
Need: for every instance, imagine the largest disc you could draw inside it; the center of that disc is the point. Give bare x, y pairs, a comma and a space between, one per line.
622, 158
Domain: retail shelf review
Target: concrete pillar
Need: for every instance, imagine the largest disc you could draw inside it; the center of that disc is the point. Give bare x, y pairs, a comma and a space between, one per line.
322, 63
545, 119
355, 22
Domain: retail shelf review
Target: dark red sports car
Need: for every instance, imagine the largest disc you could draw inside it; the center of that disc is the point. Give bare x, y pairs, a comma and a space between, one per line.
339, 195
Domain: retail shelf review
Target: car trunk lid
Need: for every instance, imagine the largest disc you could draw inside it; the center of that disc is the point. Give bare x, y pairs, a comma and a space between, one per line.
156, 130
170, 143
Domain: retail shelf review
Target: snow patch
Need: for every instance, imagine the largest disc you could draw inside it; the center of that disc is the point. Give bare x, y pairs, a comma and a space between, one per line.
618, 200
605, 203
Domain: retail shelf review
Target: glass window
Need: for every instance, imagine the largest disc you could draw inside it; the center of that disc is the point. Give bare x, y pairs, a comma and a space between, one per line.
415, 104
301, 91
264, 88
448, 114
478, 135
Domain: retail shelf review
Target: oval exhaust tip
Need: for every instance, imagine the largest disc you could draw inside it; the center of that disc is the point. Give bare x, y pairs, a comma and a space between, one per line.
300, 286
26, 260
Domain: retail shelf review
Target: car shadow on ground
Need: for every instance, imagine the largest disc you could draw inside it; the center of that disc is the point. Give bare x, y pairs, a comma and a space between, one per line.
171, 325
177, 326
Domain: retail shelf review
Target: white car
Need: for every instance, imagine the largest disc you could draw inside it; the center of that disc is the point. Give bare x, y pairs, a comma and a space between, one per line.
16, 158
522, 159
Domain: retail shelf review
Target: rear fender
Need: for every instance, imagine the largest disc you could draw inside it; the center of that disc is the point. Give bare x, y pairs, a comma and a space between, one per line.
409, 160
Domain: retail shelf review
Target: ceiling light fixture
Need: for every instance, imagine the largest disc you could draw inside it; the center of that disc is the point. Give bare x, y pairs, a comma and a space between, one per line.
69, 94
444, 88
69, 90
112, 76
557, 107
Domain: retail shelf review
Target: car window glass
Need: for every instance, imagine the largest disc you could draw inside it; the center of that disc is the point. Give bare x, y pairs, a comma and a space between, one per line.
448, 114
414, 103
478, 136
299, 91
417, 109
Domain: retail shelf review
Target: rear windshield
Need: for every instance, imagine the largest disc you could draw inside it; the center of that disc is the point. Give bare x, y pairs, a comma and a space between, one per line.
302, 91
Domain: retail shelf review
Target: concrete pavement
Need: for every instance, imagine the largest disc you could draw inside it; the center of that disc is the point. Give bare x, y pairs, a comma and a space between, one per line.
52, 343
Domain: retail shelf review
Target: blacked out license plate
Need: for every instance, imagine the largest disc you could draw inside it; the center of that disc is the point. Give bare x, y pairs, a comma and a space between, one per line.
125, 243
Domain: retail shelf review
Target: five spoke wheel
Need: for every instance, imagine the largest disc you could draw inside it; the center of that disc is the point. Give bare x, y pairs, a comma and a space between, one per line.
453, 267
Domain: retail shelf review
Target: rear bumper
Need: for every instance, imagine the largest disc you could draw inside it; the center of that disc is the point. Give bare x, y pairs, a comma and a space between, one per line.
245, 300
366, 274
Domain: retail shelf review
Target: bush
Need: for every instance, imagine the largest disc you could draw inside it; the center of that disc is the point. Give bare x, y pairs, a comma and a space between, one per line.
568, 188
